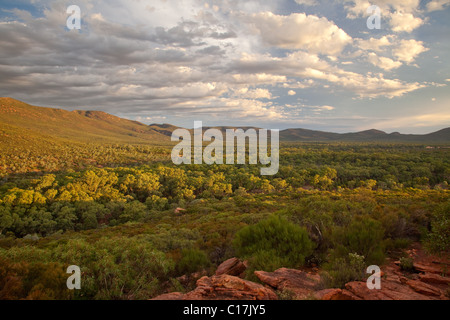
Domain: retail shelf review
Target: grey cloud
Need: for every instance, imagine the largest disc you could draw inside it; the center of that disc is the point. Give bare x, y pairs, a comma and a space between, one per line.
212, 50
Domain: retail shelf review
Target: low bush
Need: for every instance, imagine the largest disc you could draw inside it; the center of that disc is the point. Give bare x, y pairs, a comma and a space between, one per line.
192, 260
343, 270
438, 240
273, 243
363, 236
406, 264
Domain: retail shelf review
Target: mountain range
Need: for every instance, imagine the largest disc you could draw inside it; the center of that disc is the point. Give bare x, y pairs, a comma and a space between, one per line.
31, 123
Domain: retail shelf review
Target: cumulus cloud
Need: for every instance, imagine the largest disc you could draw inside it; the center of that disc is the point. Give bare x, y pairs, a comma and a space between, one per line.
293, 84
402, 15
375, 44
404, 51
300, 31
408, 50
310, 66
383, 62
258, 93
358, 8
405, 22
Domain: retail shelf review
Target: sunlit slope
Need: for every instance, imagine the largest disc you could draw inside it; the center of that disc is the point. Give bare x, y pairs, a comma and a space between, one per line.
21, 121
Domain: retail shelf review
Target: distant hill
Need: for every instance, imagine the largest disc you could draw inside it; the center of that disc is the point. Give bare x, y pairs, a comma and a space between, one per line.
29, 123
164, 129
20, 119
305, 135
442, 136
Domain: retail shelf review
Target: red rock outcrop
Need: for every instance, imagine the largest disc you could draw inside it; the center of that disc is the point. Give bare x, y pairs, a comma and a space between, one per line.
428, 284
434, 279
390, 290
232, 267
226, 287
223, 287
299, 282
423, 288
427, 268
335, 294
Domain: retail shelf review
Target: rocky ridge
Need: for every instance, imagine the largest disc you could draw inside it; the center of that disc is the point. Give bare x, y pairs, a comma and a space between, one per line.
428, 282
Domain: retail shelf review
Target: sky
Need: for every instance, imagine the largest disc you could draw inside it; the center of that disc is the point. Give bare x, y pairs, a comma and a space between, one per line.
272, 64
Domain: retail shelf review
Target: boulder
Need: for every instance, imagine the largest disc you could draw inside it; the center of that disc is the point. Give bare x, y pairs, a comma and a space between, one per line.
179, 210
299, 282
223, 287
426, 268
424, 288
390, 290
434, 279
232, 267
226, 287
335, 294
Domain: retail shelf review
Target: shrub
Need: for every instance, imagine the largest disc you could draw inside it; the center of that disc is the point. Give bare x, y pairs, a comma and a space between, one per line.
35, 281
398, 244
192, 260
439, 238
273, 243
406, 264
133, 211
116, 268
285, 294
344, 270
363, 236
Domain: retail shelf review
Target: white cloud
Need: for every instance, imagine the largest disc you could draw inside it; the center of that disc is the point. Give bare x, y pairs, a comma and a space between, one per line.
257, 78
409, 50
405, 22
326, 108
404, 51
358, 8
237, 109
377, 86
300, 31
375, 44
299, 84
402, 15
309, 66
383, 62
292, 93
437, 5
253, 94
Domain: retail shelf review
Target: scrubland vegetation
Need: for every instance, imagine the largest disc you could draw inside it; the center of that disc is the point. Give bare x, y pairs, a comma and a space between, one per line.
112, 210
